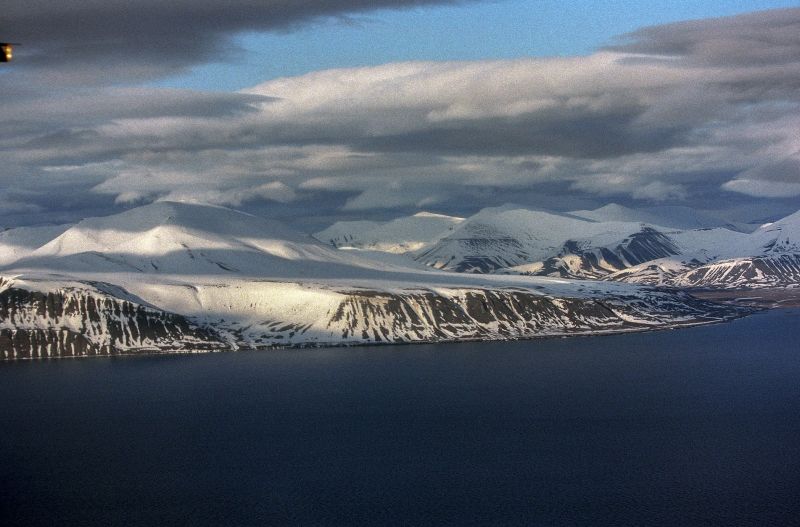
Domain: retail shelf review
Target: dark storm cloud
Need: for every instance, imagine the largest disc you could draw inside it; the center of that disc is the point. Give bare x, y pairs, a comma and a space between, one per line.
108, 41
754, 39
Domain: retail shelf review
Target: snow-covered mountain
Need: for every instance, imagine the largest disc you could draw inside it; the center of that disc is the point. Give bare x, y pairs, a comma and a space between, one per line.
512, 237
782, 236
766, 258
183, 277
516, 240
398, 236
169, 238
582, 259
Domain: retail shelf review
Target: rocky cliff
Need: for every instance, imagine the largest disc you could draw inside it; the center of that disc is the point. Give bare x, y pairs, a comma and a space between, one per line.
85, 321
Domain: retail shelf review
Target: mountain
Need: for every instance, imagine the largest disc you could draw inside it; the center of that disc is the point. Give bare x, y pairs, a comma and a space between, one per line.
755, 272
582, 259
515, 240
183, 277
398, 236
776, 270
170, 238
782, 236
508, 237
769, 257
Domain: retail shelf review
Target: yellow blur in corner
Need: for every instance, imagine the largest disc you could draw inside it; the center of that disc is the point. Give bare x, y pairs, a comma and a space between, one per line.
6, 52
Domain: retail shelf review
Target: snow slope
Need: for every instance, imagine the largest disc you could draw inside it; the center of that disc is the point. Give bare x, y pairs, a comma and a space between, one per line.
21, 241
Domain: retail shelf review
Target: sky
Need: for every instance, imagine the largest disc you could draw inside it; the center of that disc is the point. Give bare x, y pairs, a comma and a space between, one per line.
313, 111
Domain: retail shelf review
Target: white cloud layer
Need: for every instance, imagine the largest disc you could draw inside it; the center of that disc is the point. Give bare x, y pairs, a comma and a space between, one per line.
763, 189
678, 112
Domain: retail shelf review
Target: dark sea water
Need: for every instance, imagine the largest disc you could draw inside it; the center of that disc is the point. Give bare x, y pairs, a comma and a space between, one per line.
688, 427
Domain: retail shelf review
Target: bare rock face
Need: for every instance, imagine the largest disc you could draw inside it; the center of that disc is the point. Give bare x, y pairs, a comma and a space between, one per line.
81, 322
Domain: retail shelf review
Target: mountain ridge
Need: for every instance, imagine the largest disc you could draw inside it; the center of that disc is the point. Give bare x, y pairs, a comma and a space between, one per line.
229, 280
511, 239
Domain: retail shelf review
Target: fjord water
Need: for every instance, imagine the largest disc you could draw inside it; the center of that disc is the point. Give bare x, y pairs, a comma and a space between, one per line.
696, 426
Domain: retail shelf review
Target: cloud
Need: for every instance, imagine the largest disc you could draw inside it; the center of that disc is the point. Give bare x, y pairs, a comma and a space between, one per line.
234, 197
659, 191
677, 112
763, 189
588, 107
759, 39
392, 196
274, 191
112, 41
70, 108
772, 180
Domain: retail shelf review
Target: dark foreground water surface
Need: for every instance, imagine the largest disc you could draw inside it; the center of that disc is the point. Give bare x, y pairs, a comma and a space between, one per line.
690, 427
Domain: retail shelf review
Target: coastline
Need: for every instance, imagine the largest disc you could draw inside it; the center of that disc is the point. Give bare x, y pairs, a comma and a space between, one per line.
743, 311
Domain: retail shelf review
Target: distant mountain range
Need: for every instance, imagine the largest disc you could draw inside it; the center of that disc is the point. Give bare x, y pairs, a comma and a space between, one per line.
182, 277
673, 247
